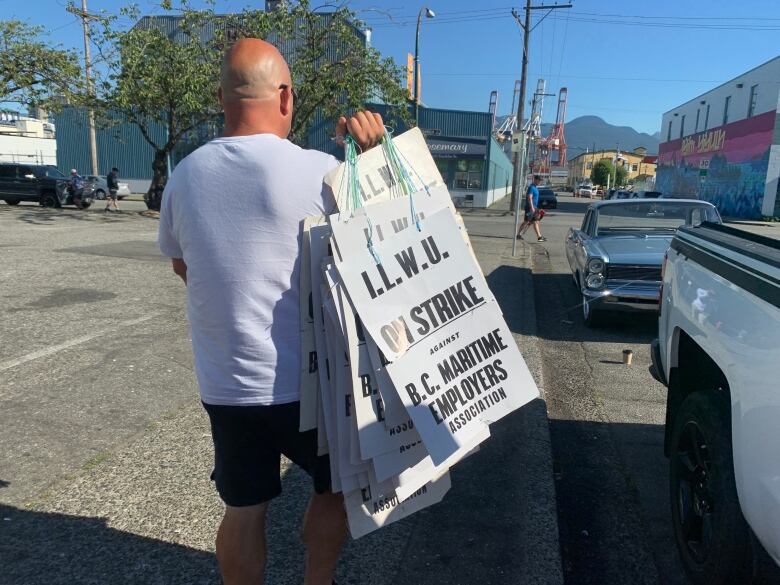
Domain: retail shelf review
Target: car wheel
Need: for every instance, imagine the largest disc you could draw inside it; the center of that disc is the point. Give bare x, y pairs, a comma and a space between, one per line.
590, 315
84, 203
49, 200
712, 536
100, 194
12, 202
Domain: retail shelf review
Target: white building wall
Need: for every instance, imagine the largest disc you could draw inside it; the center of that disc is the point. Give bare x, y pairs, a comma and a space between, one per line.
766, 77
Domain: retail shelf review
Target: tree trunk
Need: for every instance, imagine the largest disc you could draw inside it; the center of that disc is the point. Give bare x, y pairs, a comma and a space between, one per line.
153, 197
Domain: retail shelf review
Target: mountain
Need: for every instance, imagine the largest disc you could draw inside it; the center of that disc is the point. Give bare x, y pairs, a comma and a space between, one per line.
583, 132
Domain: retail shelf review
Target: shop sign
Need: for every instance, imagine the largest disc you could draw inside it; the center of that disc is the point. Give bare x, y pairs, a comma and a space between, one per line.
454, 148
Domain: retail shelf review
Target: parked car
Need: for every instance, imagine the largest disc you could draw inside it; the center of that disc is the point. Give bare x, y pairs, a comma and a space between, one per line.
101, 187
43, 184
547, 198
600, 193
615, 256
718, 353
585, 190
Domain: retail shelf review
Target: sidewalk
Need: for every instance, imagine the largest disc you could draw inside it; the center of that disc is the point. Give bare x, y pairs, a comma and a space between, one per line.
146, 513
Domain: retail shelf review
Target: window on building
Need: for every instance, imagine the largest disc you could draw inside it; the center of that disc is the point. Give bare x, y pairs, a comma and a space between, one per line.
696, 129
468, 175
634, 167
589, 165
682, 126
752, 102
669, 132
707, 117
726, 105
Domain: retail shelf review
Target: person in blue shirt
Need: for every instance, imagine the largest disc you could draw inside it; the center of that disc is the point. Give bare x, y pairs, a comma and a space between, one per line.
531, 206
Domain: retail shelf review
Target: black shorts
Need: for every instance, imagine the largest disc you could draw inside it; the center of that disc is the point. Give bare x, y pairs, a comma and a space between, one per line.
529, 215
112, 193
248, 444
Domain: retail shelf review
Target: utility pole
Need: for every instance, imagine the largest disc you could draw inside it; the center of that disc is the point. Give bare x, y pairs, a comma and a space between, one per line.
518, 176
85, 18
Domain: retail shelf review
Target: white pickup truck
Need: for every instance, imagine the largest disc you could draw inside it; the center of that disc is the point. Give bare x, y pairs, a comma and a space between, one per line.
718, 352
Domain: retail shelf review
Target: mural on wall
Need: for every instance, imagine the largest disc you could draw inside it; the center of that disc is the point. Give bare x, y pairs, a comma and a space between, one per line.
726, 166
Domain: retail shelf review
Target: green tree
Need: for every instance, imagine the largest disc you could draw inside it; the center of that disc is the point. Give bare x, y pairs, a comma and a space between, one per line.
619, 176
332, 68
153, 79
33, 72
601, 170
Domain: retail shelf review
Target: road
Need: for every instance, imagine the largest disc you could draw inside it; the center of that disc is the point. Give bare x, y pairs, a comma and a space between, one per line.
105, 451
606, 422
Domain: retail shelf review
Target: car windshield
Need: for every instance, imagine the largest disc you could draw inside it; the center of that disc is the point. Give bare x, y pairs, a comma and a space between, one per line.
546, 193
652, 216
51, 171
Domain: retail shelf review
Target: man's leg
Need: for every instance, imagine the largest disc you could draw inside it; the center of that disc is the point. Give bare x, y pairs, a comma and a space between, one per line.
241, 545
324, 532
537, 229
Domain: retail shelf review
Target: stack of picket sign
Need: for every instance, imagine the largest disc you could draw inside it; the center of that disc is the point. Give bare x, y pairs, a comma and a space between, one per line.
408, 356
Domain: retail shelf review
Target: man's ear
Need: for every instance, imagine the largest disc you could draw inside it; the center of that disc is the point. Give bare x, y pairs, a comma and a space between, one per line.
286, 102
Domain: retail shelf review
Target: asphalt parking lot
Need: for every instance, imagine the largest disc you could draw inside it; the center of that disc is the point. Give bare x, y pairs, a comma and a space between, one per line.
105, 451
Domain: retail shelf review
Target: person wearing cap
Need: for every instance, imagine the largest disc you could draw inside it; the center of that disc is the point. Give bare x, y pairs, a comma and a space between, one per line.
112, 182
76, 186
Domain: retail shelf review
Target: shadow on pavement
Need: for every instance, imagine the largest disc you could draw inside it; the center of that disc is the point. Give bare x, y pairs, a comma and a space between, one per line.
52, 549
559, 308
613, 504
505, 282
491, 526
36, 215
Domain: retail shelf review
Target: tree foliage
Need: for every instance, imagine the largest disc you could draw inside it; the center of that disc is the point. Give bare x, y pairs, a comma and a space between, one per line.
333, 70
156, 78
620, 175
33, 72
600, 171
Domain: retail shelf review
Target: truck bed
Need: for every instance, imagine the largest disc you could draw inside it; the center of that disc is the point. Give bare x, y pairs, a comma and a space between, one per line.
750, 261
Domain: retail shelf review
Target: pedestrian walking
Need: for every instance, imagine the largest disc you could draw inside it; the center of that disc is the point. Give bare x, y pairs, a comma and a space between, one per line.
531, 209
112, 181
240, 261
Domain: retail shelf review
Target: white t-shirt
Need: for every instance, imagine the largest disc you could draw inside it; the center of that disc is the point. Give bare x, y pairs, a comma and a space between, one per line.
233, 210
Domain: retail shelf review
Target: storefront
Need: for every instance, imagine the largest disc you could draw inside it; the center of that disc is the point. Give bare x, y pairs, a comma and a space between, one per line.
473, 165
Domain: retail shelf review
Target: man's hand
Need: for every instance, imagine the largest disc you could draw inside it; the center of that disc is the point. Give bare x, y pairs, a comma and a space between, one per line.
365, 127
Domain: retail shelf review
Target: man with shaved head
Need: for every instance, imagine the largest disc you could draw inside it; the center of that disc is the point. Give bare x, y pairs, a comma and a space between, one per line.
231, 223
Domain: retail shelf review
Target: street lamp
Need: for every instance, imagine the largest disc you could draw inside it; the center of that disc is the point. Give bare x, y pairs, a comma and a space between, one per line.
428, 14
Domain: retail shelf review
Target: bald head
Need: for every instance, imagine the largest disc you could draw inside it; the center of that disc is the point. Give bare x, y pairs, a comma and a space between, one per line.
252, 69
255, 90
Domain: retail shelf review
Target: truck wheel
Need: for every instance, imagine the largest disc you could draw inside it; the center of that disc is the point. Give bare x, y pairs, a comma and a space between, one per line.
712, 536
49, 200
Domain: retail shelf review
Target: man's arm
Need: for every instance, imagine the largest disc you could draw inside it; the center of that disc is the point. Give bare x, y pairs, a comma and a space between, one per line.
530, 198
180, 268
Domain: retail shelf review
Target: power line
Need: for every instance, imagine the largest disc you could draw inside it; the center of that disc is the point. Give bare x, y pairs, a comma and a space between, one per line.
567, 76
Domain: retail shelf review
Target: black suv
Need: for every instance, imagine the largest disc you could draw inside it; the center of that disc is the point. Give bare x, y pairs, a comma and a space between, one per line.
43, 184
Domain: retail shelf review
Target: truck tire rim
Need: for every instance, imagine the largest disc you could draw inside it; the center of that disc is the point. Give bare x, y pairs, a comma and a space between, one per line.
694, 500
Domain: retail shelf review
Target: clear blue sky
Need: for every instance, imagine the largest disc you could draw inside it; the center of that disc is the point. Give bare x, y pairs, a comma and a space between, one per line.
626, 61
